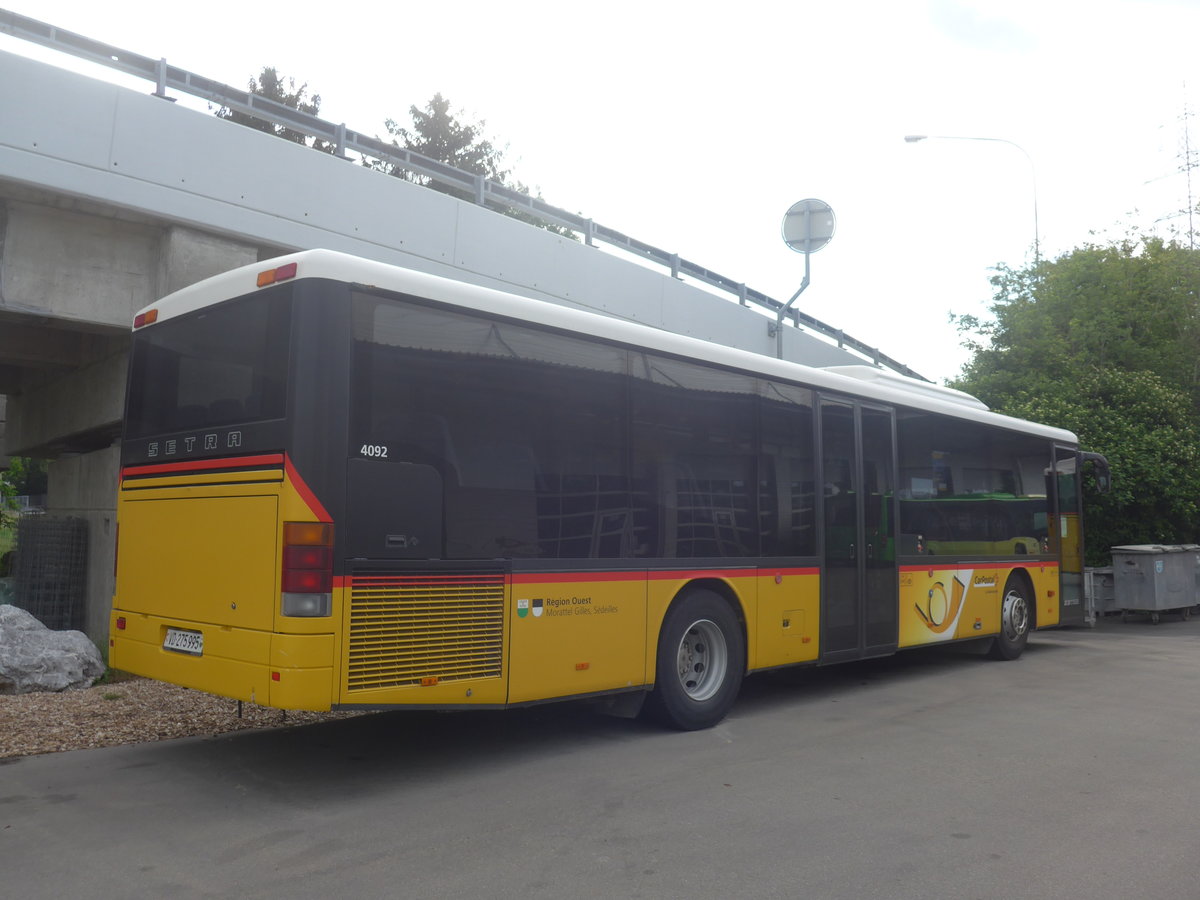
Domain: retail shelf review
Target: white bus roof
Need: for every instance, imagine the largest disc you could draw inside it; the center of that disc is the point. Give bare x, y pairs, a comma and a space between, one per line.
865, 382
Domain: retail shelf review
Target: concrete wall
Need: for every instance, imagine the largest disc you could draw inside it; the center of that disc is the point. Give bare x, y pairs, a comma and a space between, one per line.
170, 165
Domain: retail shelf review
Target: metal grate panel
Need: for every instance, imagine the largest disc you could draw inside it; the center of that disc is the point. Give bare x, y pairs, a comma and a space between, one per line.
406, 628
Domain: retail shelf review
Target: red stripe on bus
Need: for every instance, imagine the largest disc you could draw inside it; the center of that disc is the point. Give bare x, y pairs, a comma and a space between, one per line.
315, 506
655, 575
954, 567
239, 462
381, 582
345, 581
204, 465
756, 571
810, 570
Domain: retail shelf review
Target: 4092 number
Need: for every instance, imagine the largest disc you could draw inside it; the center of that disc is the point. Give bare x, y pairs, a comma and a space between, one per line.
375, 451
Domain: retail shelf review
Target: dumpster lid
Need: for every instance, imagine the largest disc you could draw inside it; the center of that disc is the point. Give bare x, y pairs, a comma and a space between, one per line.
1155, 548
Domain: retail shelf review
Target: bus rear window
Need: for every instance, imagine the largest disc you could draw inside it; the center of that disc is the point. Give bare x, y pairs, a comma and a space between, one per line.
224, 365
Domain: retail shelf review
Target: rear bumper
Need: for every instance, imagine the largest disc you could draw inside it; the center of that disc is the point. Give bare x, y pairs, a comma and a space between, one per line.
286, 671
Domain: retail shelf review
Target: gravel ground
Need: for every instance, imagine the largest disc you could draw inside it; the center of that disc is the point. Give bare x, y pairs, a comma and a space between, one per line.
128, 711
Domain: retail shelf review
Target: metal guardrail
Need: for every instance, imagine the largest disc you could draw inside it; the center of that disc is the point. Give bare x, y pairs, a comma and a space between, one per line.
482, 190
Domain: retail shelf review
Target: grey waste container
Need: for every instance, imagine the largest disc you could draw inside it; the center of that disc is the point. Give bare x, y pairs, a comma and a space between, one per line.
1099, 592
1156, 578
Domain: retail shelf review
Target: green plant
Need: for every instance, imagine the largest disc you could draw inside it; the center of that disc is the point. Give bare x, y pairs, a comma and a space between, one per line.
112, 676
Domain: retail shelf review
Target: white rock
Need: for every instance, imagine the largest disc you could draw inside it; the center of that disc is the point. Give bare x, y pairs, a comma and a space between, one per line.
34, 658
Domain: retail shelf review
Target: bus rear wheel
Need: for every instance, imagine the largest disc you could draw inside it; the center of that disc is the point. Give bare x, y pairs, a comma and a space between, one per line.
1015, 621
700, 663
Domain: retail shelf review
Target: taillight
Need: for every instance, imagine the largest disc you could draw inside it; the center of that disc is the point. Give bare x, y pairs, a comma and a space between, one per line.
307, 571
276, 275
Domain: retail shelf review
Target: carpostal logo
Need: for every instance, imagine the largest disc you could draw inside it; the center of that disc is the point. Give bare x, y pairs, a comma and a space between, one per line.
524, 606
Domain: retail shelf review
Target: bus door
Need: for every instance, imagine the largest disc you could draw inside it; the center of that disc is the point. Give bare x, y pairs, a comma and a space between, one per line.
1067, 534
859, 582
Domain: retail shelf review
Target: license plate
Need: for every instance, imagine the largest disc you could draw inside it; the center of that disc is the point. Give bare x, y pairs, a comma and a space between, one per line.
184, 641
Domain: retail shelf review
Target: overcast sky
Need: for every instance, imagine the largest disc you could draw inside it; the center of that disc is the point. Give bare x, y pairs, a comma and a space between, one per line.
694, 126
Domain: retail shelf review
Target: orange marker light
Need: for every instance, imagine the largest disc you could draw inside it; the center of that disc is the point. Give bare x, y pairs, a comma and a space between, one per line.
429, 681
311, 534
582, 667
273, 276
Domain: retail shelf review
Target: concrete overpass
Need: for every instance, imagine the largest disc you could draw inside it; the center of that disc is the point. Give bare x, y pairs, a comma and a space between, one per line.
110, 198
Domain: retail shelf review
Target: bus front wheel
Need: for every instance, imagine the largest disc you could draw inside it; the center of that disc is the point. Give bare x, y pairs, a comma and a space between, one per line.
700, 663
1015, 621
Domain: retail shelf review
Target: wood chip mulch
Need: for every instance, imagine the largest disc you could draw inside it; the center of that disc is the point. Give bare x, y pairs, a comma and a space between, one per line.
128, 710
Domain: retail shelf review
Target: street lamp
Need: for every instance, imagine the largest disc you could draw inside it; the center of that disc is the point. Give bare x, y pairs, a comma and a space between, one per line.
914, 138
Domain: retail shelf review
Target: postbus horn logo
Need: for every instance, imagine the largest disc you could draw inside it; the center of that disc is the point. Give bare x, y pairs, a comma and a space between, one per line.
938, 611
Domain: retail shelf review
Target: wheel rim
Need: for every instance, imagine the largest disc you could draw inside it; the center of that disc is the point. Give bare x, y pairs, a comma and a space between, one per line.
1015, 616
702, 660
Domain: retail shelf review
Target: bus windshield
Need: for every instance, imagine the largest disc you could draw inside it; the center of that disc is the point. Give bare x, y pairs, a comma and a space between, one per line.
222, 365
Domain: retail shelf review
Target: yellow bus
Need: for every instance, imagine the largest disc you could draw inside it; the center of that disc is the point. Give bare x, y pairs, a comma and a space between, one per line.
349, 485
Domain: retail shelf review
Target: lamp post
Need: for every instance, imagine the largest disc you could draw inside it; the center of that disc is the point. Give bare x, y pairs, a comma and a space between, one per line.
915, 138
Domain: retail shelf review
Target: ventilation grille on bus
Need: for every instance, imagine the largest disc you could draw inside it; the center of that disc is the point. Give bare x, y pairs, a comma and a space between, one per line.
407, 628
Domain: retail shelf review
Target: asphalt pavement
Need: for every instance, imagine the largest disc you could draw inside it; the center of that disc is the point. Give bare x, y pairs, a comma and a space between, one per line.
1070, 773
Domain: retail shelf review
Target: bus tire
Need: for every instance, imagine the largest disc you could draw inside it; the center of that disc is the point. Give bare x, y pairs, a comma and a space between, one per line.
700, 663
1015, 621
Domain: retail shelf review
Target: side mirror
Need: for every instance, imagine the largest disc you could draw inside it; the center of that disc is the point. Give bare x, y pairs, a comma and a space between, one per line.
1100, 470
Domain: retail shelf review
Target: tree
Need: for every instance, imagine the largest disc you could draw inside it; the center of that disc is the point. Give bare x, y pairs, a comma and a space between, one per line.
1148, 431
437, 132
26, 476
1130, 306
8, 505
22, 477
1105, 341
271, 85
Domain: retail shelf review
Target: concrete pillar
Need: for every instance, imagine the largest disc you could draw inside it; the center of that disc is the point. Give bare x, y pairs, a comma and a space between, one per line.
187, 256
80, 410
77, 267
85, 486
